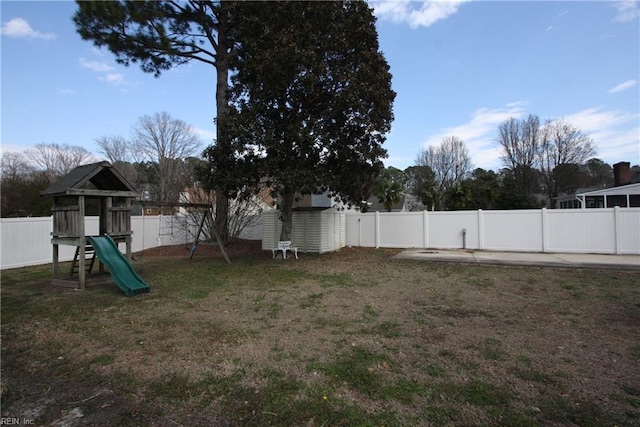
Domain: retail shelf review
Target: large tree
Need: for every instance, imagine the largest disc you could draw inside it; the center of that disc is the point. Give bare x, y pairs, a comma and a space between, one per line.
120, 153
599, 173
389, 187
165, 143
115, 148
312, 98
563, 148
21, 186
485, 188
513, 196
160, 35
421, 183
14, 165
450, 163
55, 160
519, 141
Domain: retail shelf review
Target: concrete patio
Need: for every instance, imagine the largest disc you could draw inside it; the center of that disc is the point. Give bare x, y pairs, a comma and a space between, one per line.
625, 262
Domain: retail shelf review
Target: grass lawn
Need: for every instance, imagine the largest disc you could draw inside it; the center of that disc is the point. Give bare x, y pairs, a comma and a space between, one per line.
353, 338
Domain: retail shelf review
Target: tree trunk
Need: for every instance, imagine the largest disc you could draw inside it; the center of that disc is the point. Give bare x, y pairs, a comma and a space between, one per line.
222, 106
286, 216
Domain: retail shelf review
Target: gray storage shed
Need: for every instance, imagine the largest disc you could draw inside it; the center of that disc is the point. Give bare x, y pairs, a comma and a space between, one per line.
315, 230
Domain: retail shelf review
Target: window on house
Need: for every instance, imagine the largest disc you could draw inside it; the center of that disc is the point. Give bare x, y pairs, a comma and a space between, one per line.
617, 201
570, 204
634, 200
592, 202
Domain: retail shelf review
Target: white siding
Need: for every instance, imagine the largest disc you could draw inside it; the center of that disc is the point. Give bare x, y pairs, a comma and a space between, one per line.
316, 231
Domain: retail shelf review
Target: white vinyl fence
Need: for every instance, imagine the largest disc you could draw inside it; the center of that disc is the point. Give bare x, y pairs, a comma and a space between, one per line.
607, 231
27, 241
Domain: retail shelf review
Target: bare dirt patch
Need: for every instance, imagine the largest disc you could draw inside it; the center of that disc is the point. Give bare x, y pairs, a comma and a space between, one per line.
237, 248
347, 338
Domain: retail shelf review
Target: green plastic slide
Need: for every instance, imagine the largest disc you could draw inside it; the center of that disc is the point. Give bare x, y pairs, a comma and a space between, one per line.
120, 269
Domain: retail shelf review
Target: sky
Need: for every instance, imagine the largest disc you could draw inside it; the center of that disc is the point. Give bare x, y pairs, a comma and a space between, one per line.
460, 68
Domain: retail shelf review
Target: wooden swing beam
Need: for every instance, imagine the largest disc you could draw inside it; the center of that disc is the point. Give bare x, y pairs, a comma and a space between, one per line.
200, 227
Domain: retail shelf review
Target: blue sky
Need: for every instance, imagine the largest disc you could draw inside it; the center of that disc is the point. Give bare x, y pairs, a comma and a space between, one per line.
459, 69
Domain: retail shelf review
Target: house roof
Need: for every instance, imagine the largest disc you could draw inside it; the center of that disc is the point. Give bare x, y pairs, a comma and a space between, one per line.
401, 205
105, 180
311, 208
620, 190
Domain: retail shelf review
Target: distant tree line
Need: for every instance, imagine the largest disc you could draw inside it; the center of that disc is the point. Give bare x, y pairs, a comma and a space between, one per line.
540, 162
159, 160
487, 189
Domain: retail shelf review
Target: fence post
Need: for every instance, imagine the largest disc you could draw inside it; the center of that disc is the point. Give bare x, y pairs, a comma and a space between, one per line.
616, 226
377, 229
544, 229
480, 230
425, 229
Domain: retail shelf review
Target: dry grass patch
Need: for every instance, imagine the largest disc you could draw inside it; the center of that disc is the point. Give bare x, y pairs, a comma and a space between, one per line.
349, 338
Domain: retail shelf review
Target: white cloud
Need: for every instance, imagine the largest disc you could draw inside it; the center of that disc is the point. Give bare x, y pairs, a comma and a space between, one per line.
66, 91
607, 35
19, 27
116, 79
97, 51
624, 86
479, 133
12, 148
615, 145
113, 78
628, 10
416, 14
399, 162
96, 66
207, 135
615, 133
610, 132
594, 119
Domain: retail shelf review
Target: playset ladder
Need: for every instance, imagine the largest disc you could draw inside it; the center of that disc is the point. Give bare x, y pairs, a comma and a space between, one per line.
89, 255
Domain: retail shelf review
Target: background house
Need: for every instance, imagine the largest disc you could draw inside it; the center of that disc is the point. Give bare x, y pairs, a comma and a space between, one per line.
624, 193
406, 203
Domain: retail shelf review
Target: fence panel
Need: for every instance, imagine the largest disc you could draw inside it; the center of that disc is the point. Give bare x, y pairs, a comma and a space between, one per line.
25, 241
581, 231
400, 230
253, 230
360, 230
445, 229
629, 231
518, 230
